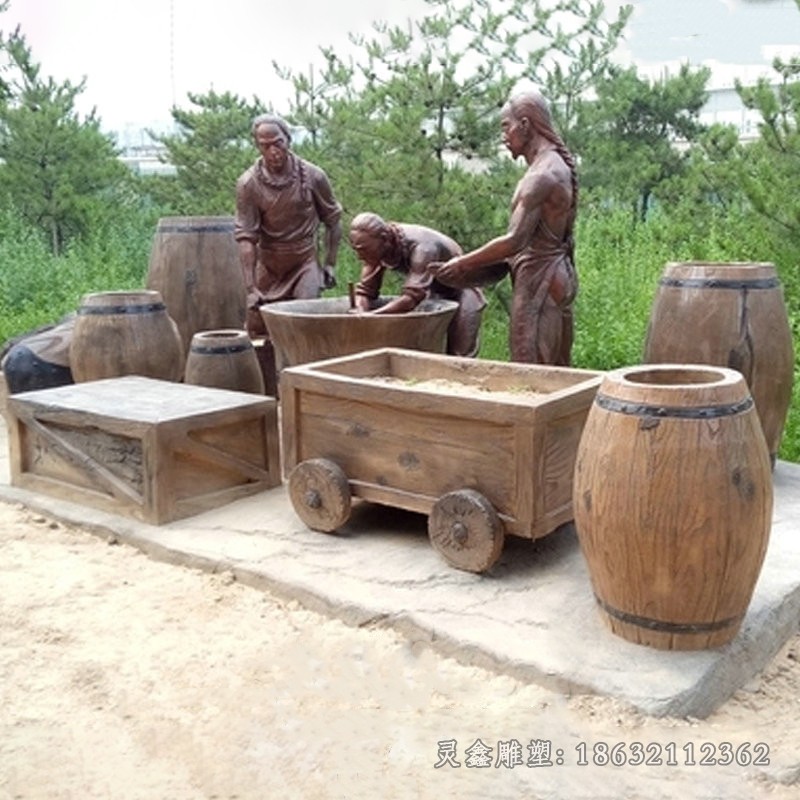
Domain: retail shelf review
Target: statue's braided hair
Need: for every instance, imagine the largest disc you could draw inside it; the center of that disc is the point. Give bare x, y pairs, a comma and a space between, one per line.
532, 105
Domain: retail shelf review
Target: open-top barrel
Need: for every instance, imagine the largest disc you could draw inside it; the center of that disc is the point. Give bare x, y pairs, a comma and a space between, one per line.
673, 503
125, 333
224, 359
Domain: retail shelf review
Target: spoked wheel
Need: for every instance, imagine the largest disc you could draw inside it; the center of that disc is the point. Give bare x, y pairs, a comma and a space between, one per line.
466, 530
320, 494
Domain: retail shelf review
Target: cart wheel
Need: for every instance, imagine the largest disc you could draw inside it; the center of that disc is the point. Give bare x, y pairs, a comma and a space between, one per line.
464, 527
320, 494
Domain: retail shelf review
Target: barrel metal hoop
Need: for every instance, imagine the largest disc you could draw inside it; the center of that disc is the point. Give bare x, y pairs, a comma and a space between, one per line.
720, 283
212, 228
678, 412
667, 627
211, 350
141, 308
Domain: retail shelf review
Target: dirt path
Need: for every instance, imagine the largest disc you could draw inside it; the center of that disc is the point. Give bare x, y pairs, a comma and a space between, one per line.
121, 677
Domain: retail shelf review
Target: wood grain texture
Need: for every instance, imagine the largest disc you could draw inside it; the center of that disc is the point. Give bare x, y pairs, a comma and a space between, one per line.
466, 531
224, 359
407, 445
125, 333
728, 315
320, 494
673, 503
303, 331
194, 264
150, 449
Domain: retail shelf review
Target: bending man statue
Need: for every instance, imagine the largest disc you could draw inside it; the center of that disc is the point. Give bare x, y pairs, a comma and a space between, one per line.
281, 201
382, 245
538, 245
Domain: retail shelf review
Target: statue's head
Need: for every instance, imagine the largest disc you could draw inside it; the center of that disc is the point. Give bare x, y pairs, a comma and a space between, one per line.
524, 115
369, 236
273, 139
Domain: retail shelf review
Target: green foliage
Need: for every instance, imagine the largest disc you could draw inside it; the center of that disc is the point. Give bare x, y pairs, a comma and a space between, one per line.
771, 171
213, 146
37, 287
409, 129
578, 40
627, 137
57, 169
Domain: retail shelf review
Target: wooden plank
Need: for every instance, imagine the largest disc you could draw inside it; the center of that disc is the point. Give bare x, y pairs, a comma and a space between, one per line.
416, 451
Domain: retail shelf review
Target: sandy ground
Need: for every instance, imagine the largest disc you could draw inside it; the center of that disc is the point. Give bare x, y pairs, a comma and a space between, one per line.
122, 677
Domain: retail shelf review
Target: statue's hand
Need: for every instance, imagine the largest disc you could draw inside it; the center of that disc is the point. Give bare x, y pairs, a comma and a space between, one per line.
328, 277
254, 298
450, 273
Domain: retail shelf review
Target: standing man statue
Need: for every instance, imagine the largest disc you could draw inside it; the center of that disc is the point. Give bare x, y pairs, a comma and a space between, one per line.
538, 246
409, 249
281, 201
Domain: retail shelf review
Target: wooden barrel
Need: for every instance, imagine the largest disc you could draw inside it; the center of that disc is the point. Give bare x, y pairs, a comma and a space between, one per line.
40, 359
194, 263
125, 333
672, 497
728, 315
224, 359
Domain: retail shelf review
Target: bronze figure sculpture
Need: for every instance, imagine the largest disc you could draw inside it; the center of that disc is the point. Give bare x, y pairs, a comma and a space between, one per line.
409, 249
281, 202
538, 247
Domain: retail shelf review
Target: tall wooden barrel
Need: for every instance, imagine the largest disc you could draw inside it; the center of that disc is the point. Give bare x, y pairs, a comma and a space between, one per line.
194, 263
125, 333
729, 315
673, 503
224, 359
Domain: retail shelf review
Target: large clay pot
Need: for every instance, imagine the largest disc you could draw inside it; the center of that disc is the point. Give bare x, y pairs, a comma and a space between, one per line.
672, 497
310, 330
224, 359
194, 263
125, 333
729, 315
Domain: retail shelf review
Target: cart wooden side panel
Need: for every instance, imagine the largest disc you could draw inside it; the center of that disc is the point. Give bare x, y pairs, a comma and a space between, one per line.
406, 446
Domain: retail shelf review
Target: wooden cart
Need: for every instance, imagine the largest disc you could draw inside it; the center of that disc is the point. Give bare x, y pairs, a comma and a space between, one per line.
484, 448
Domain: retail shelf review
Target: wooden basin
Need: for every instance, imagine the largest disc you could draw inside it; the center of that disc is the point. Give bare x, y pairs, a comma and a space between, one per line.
311, 330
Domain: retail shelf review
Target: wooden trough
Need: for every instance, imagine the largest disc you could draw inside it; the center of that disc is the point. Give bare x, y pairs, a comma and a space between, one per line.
310, 330
484, 448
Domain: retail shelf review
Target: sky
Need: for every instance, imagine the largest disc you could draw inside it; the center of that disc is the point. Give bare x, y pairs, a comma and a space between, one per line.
139, 58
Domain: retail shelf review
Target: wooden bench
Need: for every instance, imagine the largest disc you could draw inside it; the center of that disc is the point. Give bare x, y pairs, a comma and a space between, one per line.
146, 448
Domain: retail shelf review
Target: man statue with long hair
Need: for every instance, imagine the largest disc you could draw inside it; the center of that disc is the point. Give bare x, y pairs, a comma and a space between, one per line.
538, 247
281, 202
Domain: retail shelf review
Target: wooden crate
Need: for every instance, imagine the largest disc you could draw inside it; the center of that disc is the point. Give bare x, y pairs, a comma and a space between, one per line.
146, 448
407, 427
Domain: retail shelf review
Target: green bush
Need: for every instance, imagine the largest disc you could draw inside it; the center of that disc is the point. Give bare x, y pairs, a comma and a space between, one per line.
37, 288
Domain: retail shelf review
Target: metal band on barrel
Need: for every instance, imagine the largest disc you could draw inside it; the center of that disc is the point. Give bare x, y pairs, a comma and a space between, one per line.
209, 350
678, 412
141, 308
667, 627
720, 283
215, 228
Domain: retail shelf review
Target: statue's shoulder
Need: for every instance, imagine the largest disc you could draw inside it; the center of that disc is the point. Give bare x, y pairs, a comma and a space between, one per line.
314, 172
249, 175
